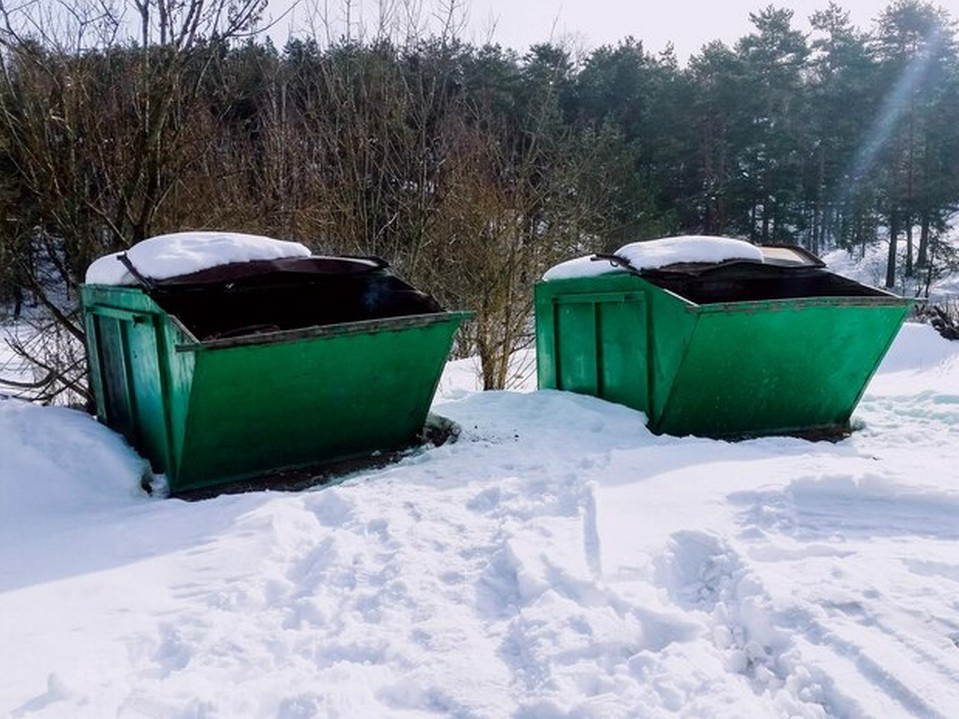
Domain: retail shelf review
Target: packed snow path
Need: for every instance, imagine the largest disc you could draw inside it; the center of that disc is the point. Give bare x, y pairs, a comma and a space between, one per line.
557, 561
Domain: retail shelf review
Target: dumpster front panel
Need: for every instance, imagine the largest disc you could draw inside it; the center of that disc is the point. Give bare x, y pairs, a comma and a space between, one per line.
777, 367
622, 336
594, 342
282, 404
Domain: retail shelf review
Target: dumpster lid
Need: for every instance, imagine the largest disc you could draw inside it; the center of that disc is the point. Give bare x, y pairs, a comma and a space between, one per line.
186, 253
774, 258
789, 256
688, 255
287, 269
782, 257
668, 252
687, 250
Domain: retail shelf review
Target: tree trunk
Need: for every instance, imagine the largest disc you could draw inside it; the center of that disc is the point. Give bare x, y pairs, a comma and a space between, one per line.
821, 213
891, 260
765, 235
909, 247
923, 240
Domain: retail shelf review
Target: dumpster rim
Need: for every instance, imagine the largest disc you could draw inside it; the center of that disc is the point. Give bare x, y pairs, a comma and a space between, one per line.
887, 299
383, 324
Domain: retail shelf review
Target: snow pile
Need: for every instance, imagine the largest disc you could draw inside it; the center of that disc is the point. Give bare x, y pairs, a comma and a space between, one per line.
557, 561
183, 253
653, 254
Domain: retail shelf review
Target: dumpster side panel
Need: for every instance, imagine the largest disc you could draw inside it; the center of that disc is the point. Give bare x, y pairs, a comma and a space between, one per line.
277, 405
778, 367
147, 392
95, 359
112, 381
138, 384
176, 374
546, 342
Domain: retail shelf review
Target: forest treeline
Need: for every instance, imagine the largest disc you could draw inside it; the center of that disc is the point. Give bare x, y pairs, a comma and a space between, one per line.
469, 167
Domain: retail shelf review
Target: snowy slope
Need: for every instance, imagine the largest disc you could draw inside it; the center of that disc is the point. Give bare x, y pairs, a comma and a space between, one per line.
870, 268
558, 561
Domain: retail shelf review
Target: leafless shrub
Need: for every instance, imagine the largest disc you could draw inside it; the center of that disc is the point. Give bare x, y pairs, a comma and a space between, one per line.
98, 129
46, 363
944, 318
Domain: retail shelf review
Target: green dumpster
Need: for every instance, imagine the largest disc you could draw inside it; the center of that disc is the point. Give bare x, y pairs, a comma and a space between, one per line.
248, 368
747, 346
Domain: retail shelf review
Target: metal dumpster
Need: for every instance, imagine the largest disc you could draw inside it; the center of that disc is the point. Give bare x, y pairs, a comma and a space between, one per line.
247, 368
729, 349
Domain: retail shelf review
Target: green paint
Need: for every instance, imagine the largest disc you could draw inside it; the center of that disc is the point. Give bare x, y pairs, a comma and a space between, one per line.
729, 369
207, 413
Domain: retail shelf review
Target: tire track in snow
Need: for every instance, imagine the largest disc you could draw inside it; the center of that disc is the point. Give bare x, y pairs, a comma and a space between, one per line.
849, 623
777, 645
788, 533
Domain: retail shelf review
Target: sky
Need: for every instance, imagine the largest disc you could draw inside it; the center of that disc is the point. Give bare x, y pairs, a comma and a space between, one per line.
587, 24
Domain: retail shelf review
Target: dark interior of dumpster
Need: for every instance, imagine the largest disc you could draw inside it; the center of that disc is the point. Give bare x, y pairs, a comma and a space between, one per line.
750, 281
249, 298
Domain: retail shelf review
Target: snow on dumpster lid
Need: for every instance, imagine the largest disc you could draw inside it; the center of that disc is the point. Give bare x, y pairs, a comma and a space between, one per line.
653, 254
183, 253
108, 270
580, 267
687, 249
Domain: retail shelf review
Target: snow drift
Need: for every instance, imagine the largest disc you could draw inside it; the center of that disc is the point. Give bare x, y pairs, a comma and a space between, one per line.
557, 561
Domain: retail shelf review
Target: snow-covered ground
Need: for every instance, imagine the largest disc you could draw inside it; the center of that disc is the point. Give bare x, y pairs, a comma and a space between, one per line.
557, 561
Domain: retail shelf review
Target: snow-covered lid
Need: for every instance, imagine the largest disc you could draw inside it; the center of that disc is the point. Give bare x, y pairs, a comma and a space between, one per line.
653, 254
108, 270
183, 253
687, 249
581, 267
